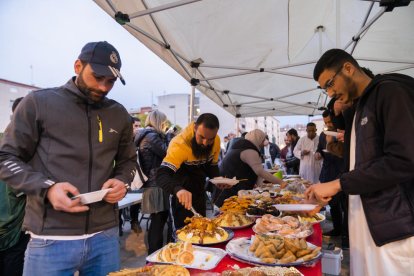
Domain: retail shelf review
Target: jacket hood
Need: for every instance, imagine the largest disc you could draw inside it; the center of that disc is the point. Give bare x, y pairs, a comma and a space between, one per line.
392, 77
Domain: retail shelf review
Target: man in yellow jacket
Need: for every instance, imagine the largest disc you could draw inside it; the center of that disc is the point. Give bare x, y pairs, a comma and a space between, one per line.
191, 157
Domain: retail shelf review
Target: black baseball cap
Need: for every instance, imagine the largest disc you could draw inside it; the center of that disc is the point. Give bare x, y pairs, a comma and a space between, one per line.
103, 58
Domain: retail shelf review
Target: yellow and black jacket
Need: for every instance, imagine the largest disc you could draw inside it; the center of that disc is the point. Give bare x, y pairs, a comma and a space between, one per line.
180, 169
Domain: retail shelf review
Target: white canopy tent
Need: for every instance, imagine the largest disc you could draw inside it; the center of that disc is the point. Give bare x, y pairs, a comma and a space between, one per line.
256, 58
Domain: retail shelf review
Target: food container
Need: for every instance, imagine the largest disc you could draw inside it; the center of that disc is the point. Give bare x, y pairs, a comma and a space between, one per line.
331, 261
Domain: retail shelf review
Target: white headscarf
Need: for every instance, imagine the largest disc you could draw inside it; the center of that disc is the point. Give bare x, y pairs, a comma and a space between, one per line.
256, 136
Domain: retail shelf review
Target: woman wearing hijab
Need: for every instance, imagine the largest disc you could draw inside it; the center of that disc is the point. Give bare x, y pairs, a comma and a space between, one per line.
243, 161
152, 145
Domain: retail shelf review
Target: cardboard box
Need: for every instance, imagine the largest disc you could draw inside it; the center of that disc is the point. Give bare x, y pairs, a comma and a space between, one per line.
331, 261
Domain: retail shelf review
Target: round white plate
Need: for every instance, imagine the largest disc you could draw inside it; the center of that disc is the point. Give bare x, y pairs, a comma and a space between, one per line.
295, 207
222, 180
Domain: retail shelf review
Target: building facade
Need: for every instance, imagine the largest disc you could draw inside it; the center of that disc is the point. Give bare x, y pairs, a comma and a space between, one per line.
9, 92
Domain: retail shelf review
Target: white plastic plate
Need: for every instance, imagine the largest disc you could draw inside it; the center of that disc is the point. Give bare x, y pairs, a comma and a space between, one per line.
92, 197
295, 207
205, 258
223, 180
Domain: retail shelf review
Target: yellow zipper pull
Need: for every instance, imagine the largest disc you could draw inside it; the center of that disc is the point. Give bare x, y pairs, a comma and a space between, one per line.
100, 129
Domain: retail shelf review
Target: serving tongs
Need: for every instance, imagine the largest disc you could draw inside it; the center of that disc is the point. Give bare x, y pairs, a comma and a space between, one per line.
195, 212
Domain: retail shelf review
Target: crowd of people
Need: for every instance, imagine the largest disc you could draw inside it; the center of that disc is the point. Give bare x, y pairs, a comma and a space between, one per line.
72, 139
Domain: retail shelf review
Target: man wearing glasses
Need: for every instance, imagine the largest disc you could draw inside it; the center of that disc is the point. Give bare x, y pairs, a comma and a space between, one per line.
381, 178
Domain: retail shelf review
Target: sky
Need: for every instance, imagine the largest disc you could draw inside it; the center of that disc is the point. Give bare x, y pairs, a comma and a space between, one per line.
40, 41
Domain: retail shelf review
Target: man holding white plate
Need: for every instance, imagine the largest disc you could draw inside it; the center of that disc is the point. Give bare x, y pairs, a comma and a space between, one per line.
380, 182
62, 142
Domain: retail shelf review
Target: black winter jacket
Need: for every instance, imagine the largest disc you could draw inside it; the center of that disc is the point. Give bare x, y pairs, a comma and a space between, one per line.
332, 165
233, 166
152, 150
274, 151
384, 168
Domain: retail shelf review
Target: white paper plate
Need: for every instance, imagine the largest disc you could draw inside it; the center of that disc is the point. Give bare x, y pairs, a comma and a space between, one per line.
295, 207
92, 197
205, 258
331, 133
223, 180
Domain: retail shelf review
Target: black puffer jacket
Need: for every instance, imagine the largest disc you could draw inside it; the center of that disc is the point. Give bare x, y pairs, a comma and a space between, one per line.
152, 150
292, 163
384, 157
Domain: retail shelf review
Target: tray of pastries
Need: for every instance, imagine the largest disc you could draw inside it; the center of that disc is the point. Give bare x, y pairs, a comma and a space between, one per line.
273, 251
187, 255
154, 270
287, 226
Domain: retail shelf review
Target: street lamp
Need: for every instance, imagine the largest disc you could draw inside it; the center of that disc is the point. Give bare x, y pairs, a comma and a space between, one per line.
173, 106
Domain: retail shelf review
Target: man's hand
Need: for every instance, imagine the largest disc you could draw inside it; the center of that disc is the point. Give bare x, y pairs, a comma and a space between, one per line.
117, 192
185, 198
340, 136
283, 185
58, 197
318, 156
323, 192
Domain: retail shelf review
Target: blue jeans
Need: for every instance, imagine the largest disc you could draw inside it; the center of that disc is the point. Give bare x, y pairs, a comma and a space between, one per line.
97, 255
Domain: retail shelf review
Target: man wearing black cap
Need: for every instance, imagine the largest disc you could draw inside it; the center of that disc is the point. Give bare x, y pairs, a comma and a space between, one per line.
63, 142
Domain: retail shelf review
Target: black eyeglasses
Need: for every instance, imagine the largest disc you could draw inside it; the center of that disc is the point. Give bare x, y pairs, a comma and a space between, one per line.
331, 81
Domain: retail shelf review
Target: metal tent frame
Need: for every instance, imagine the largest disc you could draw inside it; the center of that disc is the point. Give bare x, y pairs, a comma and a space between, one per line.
253, 105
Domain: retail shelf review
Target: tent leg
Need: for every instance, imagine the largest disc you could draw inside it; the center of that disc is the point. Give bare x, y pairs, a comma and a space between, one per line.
192, 96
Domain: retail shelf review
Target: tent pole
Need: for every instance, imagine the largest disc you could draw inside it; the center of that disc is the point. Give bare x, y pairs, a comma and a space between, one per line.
258, 69
357, 36
111, 5
363, 24
161, 8
194, 82
397, 69
192, 96
320, 29
386, 60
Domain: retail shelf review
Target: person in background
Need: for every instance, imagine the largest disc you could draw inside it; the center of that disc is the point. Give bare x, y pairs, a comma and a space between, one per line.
244, 161
52, 158
285, 150
310, 167
331, 169
381, 177
13, 241
291, 162
191, 157
134, 209
270, 151
152, 144
234, 140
